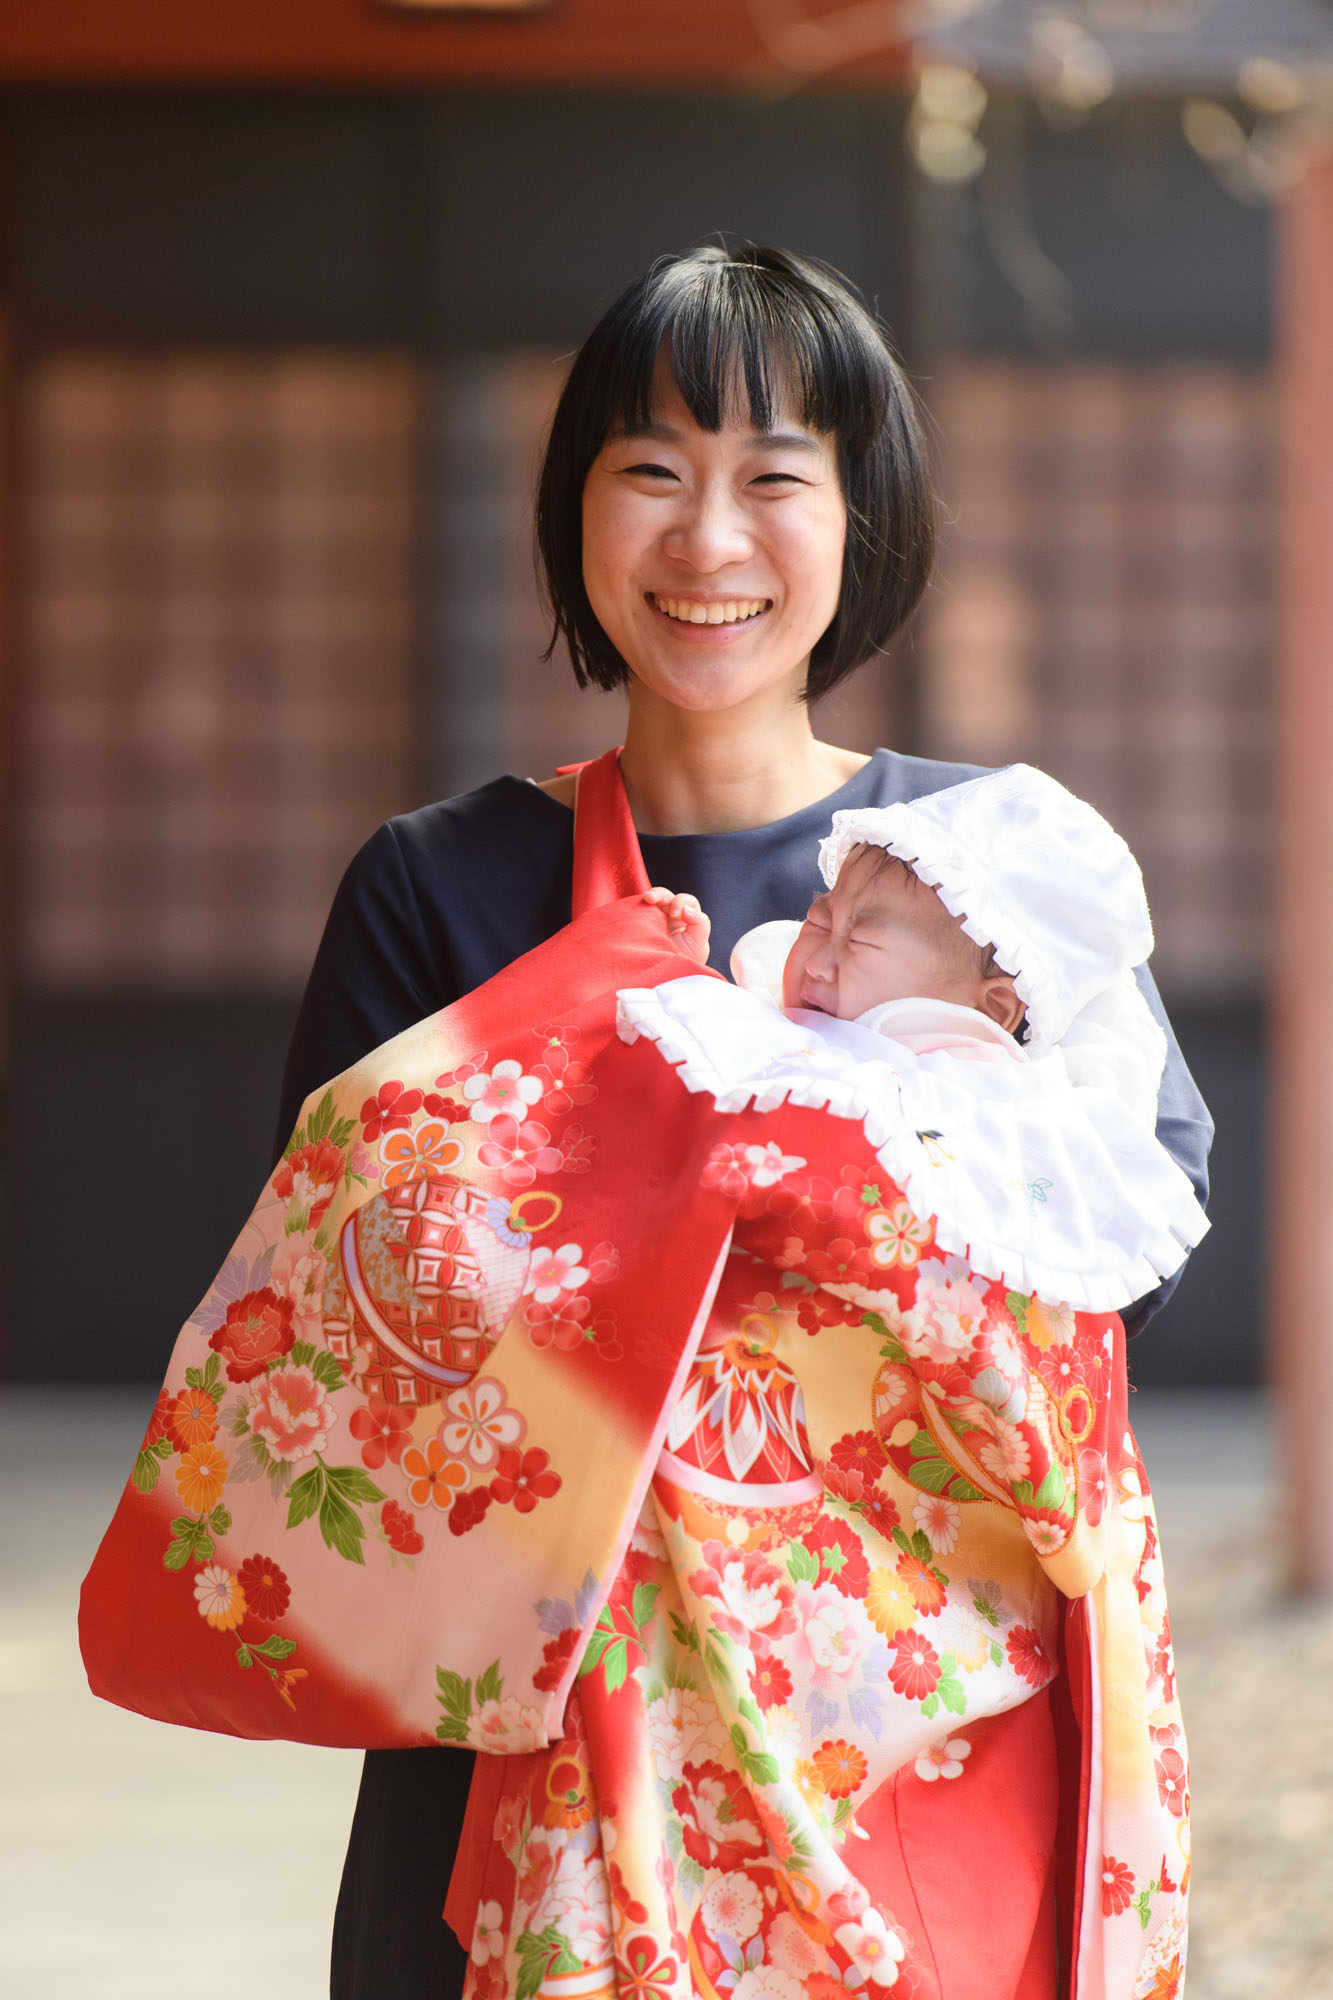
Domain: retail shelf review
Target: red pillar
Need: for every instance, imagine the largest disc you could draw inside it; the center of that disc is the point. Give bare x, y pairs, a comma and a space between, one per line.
1301, 1235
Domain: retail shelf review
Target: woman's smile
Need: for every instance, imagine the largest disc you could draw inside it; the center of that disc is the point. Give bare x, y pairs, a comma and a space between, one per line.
712, 612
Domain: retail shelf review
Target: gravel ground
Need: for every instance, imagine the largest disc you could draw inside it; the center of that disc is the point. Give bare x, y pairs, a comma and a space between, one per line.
99, 1810
1256, 1685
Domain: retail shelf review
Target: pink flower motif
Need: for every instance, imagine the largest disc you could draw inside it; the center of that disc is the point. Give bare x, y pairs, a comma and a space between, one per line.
503, 1089
381, 1429
873, 1948
478, 1423
1172, 1782
1093, 1485
291, 1413
552, 1272
725, 1169
603, 1263
939, 1521
746, 1592
521, 1152
1027, 1655
943, 1760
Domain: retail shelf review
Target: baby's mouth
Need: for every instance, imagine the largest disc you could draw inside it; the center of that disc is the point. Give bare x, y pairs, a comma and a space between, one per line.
718, 611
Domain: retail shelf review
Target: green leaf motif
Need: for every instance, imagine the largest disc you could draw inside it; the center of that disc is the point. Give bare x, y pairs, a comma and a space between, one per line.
740, 1742
952, 1694
451, 1730
1018, 1306
1141, 1907
892, 1349
455, 1693
295, 1143
321, 1119
641, 1604
244, 1657
220, 1520
683, 1634
353, 1484
996, 1653
194, 1378
147, 1466
615, 1662
750, 1711
802, 1563
302, 1354
1053, 1491
327, 1370
490, 1685
933, 1473
275, 1648
304, 1495
341, 1527
535, 1952
592, 1658
178, 1553
930, 1707
761, 1766
342, 1131
920, 1546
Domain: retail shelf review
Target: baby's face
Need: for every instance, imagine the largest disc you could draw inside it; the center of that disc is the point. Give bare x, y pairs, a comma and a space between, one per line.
878, 934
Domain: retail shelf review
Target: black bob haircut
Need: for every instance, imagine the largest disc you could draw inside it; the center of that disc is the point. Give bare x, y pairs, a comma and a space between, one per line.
779, 324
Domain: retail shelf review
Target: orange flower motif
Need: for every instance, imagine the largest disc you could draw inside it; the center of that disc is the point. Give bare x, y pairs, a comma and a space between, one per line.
898, 1237
415, 1156
568, 1794
890, 1606
201, 1476
1166, 1985
219, 1597
841, 1767
805, 1776
194, 1418
434, 1476
928, 1593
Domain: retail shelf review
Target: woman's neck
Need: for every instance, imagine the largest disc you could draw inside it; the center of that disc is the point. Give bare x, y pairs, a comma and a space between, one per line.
688, 772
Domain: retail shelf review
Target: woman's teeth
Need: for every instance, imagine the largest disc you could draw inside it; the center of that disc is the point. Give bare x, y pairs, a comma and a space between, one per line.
732, 612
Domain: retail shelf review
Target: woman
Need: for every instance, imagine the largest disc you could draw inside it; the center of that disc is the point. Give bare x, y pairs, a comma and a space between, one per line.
733, 515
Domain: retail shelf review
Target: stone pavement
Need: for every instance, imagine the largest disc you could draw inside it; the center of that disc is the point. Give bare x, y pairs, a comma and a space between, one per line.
166, 1865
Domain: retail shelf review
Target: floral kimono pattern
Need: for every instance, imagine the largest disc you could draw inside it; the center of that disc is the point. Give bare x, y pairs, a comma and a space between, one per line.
802, 1583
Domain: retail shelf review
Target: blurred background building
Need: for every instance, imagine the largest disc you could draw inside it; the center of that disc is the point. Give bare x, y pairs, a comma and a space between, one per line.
286, 300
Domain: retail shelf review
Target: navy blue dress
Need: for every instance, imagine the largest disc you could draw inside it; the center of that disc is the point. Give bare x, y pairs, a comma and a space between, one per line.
435, 903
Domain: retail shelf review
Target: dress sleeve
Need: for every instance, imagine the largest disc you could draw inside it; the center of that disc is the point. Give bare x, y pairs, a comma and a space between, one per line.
1184, 1128
374, 975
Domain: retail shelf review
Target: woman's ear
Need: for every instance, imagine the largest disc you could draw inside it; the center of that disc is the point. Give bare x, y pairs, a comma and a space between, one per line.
1000, 1003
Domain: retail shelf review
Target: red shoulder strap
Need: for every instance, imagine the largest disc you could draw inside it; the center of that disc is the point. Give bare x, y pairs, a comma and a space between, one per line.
607, 861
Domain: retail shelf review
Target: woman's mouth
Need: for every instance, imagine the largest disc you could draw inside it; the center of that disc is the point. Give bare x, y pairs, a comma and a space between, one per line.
710, 611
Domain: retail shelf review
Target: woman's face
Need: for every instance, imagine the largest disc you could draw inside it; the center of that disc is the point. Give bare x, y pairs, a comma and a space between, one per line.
713, 559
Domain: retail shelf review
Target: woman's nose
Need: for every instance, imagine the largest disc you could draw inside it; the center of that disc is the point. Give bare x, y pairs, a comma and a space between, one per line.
709, 532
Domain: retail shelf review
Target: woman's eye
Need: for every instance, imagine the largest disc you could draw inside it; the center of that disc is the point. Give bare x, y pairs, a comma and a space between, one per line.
777, 479
649, 471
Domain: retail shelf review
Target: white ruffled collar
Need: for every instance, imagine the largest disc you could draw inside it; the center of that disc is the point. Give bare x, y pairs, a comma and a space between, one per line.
1046, 1186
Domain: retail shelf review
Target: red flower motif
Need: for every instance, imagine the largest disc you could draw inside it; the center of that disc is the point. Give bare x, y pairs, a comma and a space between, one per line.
159, 1424
880, 1511
567, 1082
381, 1429
576, 1150
389, 1110
450, 1109
520, 1151
1172, 1782
603, 1263
842, 1485
1027, 1656
841, 1766
717, 1821
1093, 1484
925, 1583
267, 1592
842, 1263
915, 1667
469, 1510
644, 1970
567, 1324
1117, 1886
556, 1655
257, 1330
821, 1309
770, 1680
842, 1560
401, 1529
312, 1174
521, 1478
859, 1451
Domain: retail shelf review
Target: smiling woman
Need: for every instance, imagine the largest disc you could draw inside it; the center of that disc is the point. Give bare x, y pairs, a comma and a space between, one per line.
734, 514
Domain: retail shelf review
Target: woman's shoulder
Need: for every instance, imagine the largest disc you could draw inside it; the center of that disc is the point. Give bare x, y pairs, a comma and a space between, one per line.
896, 778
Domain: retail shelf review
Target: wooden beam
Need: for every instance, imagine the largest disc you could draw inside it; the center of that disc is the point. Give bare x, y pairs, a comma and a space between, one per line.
644, 44
1301, 1234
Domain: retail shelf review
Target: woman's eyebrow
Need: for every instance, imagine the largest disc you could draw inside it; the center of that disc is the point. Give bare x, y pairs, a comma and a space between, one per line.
756, 441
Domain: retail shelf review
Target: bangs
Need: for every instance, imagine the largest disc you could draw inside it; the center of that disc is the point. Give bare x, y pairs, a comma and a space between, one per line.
741, 343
